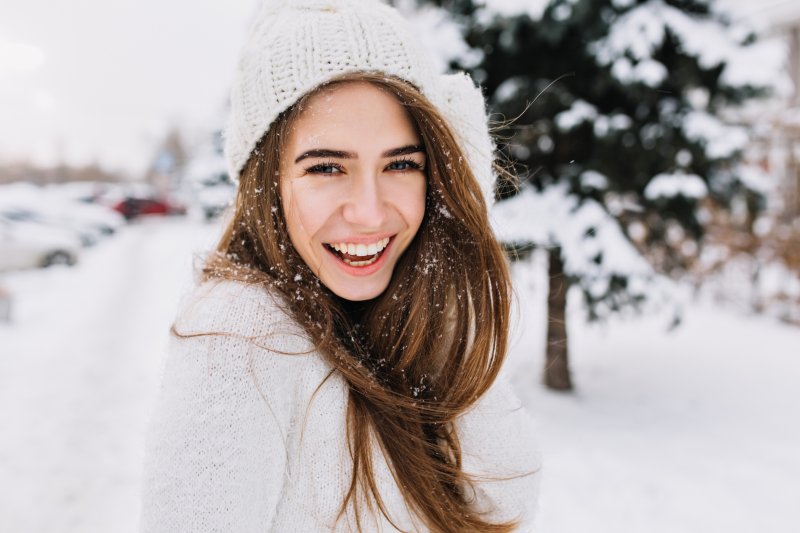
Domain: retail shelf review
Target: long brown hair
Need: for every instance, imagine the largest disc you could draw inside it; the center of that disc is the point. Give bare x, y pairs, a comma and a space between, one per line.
423, 351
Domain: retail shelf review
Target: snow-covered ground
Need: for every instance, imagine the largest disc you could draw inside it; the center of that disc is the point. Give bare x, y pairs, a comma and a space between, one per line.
79, 368
694, 430
691, 431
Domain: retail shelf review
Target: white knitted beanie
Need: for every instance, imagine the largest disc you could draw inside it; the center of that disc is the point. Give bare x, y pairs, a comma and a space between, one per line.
296, 45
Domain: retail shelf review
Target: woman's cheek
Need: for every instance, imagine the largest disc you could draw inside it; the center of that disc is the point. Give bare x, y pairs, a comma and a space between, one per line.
312, 204
410, 199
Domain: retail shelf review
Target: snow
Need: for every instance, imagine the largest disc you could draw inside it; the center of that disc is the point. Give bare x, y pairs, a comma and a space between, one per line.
509, 89
442, 36
755, 179
79, 367
743, 282
761, 64
583, 230
686, 431
670, 185
591, 179
689, 431
647, 71
720, 140
639, 32
604, 124
581, 111
513, 8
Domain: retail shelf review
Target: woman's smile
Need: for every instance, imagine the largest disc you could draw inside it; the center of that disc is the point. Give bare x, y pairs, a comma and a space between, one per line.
358, 254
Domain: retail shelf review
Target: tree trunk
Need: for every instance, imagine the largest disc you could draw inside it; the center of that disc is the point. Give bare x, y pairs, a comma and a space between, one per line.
556, 370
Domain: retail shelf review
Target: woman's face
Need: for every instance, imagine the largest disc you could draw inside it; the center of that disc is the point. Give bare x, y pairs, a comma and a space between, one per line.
353, 187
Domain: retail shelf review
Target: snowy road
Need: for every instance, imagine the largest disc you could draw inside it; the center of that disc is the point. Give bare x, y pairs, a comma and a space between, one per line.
78, 374
688, 432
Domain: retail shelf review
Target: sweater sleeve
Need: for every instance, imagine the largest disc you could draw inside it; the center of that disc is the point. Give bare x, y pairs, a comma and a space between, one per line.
500, 452
216, 458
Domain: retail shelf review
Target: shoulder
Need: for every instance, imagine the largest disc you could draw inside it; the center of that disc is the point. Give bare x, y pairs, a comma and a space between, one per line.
228, 307
499, 421
235, 343
499, 448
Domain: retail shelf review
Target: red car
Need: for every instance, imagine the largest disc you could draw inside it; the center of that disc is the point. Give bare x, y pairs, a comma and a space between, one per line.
132, 208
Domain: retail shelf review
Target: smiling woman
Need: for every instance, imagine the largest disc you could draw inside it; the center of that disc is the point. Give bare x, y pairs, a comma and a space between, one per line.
336, 368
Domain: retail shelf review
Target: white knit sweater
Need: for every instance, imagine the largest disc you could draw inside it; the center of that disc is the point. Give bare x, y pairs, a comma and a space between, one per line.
246, 439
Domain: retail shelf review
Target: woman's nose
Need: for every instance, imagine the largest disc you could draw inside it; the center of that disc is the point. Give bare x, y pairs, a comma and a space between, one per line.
365, 205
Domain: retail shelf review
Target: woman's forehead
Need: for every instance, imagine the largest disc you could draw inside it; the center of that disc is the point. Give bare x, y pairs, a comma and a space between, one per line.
351, 114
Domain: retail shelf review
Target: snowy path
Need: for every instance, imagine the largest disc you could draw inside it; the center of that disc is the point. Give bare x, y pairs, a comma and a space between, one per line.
78, 374
688, 432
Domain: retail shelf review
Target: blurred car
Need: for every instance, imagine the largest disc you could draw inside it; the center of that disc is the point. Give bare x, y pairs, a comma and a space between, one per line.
207, 175
214, 198
85, 216
134, 207
23, 202
25, 246
87, 236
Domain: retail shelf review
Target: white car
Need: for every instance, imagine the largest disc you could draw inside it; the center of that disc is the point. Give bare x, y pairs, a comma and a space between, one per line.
24, 246
24, 202
207, 175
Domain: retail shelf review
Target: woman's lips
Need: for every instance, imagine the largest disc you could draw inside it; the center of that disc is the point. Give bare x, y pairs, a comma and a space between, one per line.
361, 258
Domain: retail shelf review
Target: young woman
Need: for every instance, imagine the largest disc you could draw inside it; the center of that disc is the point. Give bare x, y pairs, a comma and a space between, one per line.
335, 369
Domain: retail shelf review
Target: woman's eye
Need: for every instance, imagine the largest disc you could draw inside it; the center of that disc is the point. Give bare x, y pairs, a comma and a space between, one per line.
324, 168
403, 165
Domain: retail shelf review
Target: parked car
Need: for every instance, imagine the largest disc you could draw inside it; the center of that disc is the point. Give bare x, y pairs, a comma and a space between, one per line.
23, 246
215, 198
87, 236
24, 202
133, 207
91, 217
212, 188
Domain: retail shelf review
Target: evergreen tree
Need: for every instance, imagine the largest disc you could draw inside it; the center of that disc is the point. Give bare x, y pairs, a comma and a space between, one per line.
615, 126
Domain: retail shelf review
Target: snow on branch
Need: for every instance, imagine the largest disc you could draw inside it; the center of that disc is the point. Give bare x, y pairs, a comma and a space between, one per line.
638, 33
720, 140
670, 185
592, 243
580, 112
514, 8
755, 179
442, 34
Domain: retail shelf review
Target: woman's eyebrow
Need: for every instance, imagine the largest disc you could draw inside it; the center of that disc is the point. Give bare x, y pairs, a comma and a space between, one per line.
405, 150
325, 153
322, 153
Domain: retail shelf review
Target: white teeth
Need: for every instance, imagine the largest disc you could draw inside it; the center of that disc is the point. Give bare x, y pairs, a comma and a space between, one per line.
360, 263
361, 250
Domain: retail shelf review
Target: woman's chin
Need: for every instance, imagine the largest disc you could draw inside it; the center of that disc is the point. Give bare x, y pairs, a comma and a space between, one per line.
360, 293
356, 290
